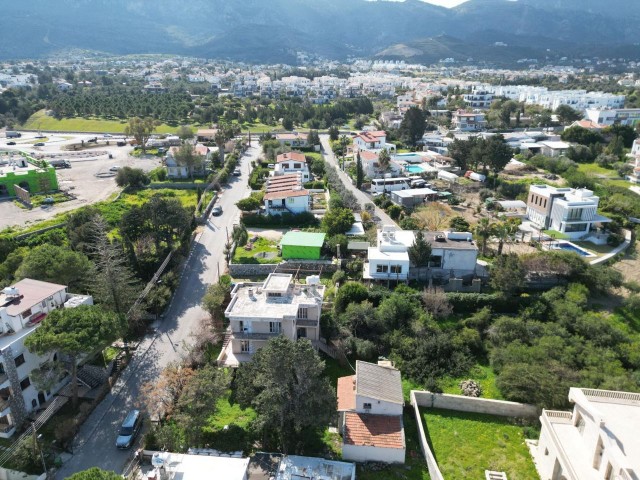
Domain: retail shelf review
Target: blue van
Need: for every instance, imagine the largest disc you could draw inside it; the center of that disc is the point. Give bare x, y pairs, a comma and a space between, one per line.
129, 429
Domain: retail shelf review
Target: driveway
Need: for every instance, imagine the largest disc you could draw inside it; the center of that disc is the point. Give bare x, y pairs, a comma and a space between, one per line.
94, 446
362, 197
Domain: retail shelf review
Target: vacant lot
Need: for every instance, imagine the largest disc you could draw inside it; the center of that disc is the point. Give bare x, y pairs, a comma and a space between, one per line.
40, 121
467, 444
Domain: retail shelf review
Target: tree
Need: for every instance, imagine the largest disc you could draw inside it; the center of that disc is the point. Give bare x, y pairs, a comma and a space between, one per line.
337, 220
284, 383
333, 133
51, 263
350, 292
420, 251
625, 132
581, 135
185, 132
566, 114
384, 160
216, 297
141, 129
359, 172
94, 473
507, 274
616, 147
459, 224
437, 303
249, 204
413, 125
313, 138
159, 397
287, 123
497, 154
484, 230
76, 331
187, 156
461, 150
132, 177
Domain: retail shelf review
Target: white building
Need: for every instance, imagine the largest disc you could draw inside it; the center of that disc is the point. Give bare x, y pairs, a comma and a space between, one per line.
611, 116
374, 140
285, 194
176, 169
570, 211
261, 311
413, 197
468, 121
292, 139
453, 254
553, 148
370, 407
598, 440
197, 466
292, 162
22, 308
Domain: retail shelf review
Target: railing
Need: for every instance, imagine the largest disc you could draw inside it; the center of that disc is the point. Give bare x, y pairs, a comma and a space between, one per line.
4, 404
4, 428
556, 416
253, 336
546, 424
595, 395
304, 322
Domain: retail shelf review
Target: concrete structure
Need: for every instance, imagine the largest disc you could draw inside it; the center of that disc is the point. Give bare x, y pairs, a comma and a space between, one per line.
186, 466
292, 162
286, 194
553, 148
570, 211
294, 467
293, 139
261, 311
611, 116
374, 140
413, 197
599, 439
468, 121
17, 168
176, 169
370, 405
453, 255
22, 308
302, 245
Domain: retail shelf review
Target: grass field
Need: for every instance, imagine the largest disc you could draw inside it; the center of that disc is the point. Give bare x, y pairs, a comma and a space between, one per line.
466, 444
263, 245
40, 121
483, 374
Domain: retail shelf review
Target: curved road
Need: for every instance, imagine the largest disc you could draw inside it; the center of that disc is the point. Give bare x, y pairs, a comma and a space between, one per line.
94, 445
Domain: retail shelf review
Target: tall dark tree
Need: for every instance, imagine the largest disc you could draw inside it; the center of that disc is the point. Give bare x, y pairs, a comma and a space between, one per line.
413, 125
566, 114
420, 251
359, 172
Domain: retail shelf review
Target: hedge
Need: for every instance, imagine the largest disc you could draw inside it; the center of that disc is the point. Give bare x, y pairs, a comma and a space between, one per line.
306, 219
472, 302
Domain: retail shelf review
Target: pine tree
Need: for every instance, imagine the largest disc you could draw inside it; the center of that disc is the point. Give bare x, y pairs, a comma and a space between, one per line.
359, 172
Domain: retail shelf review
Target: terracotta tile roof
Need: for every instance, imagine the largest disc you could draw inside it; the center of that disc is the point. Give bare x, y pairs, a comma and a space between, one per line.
365, 430
286, 194
372, 136
290, 136
347, 393
295, 156
368, 156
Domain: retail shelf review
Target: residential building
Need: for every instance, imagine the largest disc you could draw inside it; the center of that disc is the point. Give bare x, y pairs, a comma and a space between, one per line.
206, 134
285, 194
370, 405
478, 99
292, 139
553, 148
611, 116
23, 306
177, 169
198, 464
588, 124
453, 254
373, 140
413, 197
261, 311
294, 467
468, 121
292, 162
597, 440
302, 245
634, 177
570, 211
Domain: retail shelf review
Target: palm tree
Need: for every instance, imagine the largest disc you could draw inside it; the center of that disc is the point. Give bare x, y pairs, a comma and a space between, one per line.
384, 160
484, 229
502, 233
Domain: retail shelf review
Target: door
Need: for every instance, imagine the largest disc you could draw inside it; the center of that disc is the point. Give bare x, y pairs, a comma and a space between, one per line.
302, 333
41, 398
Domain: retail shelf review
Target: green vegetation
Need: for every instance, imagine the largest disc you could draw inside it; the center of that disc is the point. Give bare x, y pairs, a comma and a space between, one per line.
261, 251
38, 200
466, 444
40, 121
483, 375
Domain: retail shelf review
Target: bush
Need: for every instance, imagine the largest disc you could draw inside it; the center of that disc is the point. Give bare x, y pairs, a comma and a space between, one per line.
158, 174
339, 277
314, 185
350, 292
305, 219
394, 211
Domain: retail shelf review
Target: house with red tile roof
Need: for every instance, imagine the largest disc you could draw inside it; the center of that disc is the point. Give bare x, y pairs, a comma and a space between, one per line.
285, 194
370, 405
292, 162
177, 169
293, 139
374, 140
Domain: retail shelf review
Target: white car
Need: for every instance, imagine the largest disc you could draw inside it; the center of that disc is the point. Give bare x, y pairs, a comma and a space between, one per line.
271, 165
107, 135
115, 168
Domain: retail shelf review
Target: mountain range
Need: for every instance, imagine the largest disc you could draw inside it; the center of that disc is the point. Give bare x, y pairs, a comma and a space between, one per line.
274, 30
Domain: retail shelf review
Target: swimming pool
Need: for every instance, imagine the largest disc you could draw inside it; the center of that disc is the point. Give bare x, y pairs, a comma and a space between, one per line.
570, 247
413, 168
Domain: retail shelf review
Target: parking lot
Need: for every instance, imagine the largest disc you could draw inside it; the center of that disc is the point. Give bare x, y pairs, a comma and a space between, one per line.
89, 179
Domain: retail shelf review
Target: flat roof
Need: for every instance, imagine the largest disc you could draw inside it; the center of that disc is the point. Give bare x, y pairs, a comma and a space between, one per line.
413, 192
31, 292
448, 243
293, 467
306, 239
277, 282
374, 254
204, 467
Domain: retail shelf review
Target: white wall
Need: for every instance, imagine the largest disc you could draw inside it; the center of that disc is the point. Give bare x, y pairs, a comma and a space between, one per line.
294, 204
378, 407
372, 454
462, 262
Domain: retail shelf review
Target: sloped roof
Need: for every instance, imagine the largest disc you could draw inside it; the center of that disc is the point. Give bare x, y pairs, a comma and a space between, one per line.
295, 156
381, 383
346, 393
366, 430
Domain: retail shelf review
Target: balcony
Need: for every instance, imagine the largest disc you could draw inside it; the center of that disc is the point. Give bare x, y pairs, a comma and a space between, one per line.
253, 336
305, 322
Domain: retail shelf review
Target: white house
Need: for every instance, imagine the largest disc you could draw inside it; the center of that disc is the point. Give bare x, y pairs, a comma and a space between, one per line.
370, 407
176, 169
371, 166
570, 211
453, 254
610, 116
597, 440
413, 197
374, 140
293, 139
468, 121
286, 194
292, 162
261, 311
23, 306
553, 148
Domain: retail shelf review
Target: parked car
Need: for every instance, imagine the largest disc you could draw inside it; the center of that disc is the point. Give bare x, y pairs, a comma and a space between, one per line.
121, 143
115, 168
40, 136
39, 144
11, 143
107, 135
217, 210
129, 429
237, 172
271, 165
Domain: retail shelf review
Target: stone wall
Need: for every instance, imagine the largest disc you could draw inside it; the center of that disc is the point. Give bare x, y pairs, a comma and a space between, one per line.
476, 405
304, 268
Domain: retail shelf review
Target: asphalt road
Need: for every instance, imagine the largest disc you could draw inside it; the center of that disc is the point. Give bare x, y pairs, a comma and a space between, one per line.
95, 443
361, 196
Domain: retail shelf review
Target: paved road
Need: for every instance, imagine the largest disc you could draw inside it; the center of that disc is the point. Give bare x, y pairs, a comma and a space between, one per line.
362, 197
95, 444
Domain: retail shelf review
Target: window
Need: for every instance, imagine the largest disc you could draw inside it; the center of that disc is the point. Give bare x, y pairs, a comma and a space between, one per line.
609, 475
382, 268
574, 214
244, 346
240, 326
275, 294
435, 261
2, 372
274, 327
366, 406
575, 227
597, 459
19, 360
396, 268
296, 165
303, 313
302, 333
291, 200
24, 384
26, 313
580, 423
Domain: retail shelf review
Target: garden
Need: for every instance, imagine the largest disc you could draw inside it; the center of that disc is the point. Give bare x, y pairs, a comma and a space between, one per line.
261, 250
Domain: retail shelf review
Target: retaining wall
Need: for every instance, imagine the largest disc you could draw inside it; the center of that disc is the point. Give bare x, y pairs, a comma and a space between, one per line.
243, 270
475, 405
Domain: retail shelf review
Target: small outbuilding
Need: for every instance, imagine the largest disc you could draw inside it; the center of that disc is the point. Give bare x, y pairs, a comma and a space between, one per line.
302, 245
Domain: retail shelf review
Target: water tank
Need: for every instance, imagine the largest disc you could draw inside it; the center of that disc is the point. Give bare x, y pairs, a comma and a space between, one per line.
160, 459
11, 291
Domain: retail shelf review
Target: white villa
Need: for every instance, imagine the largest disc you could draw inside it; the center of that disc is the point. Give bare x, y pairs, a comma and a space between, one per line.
23, 306
370, 407
598, 440
176, 169
261, 311
468, 121
570, 211
374, 140
610, 116
292, 162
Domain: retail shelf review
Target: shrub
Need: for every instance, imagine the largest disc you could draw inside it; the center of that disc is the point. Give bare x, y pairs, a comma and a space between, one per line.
339, 277
394, 211
314, 185
305, 219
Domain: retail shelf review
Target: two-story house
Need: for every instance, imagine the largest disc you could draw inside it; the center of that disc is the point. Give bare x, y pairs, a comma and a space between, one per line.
463, 121
370, 407
260, 311
570, 211
23, 306
597, 440
292, 139
177, 169
292, 162
453, 254
285, 194
374, 140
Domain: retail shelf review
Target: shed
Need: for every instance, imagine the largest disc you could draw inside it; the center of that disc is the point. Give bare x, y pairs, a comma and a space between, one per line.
304, 245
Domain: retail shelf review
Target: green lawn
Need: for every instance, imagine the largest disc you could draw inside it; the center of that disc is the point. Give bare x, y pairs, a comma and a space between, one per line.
556, 234
38, 200
334, 370
238, 434
466, 444
483, 374
40, 121
592, 247
242, 255
188, 198
608, 175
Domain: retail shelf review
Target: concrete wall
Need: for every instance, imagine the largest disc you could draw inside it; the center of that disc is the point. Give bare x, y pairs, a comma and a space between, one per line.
6, 474
378, 407
475, 405
432, 465
242, 270
356, 453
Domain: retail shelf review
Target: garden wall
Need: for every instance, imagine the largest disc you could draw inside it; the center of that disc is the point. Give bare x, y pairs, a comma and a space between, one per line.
474, 405
304, 268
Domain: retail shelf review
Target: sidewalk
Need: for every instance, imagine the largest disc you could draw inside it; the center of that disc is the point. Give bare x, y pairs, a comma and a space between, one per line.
362, 197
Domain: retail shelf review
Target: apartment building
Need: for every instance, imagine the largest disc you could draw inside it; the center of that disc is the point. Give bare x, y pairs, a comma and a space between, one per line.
571, 211
23, 306
597, 440
261, 311
468, 121
611, 116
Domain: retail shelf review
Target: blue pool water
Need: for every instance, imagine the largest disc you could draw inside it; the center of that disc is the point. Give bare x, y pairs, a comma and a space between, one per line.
413, 169
572, 248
